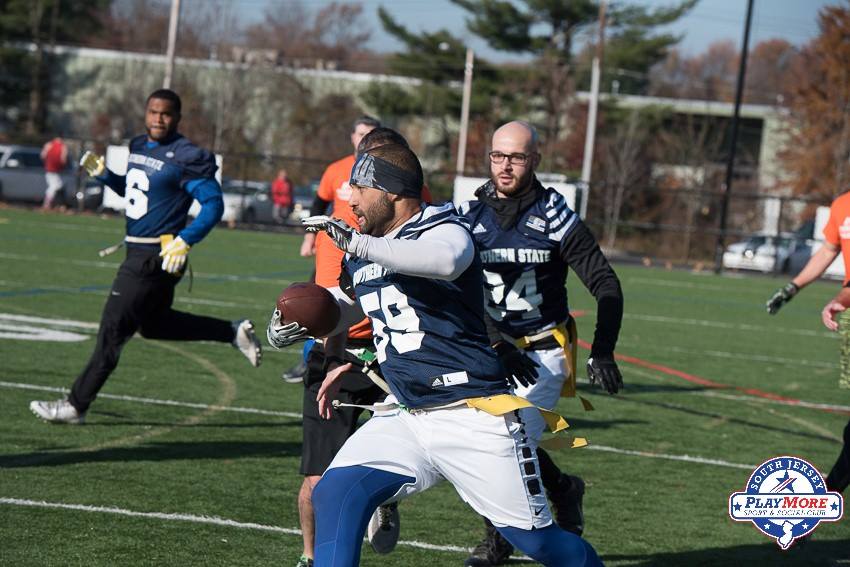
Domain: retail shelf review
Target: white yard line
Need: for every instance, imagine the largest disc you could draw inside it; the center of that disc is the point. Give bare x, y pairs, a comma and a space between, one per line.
212, 520
723, 325
236, 409
793, 404
666, 456
154, 401
749, 356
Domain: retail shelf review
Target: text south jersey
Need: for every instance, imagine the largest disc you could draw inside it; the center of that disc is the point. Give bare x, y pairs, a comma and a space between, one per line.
521, 255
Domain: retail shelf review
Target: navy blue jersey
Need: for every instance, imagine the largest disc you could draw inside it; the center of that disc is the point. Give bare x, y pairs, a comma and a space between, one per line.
158, 184
430, 337
524, 271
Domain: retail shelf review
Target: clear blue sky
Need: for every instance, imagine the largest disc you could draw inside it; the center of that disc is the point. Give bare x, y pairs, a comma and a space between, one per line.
709, 21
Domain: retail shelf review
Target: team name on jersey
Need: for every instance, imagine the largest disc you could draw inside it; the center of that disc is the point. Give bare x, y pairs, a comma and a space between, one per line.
369, 272
146, 161
521, 255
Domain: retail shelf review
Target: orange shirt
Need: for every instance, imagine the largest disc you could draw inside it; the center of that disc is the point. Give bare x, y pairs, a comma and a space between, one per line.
837, 229
334, 187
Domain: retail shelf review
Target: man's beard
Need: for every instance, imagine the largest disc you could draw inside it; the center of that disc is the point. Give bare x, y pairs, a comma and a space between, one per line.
521, 185
375, 220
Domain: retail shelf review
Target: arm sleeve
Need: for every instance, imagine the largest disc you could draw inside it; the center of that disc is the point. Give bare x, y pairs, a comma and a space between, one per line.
581, 252
349, 311
443, 252
319, 206
208, 193
117, 183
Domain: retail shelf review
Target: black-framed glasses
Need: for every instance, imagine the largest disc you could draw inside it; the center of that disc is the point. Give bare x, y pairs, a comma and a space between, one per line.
514, 159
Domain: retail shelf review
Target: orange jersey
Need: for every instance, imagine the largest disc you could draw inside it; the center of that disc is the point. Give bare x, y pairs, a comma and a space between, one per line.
334, 187
837, 229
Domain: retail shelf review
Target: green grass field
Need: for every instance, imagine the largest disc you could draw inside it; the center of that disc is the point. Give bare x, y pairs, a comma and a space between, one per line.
139, 482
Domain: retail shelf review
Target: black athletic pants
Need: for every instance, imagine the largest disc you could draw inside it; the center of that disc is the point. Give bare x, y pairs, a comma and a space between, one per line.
839, 476
140, 300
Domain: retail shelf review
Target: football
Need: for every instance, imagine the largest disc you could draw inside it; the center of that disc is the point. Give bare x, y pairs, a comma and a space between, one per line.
311, 305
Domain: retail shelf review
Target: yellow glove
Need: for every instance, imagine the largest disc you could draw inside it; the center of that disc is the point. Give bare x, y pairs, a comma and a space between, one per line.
93, 164
174, 256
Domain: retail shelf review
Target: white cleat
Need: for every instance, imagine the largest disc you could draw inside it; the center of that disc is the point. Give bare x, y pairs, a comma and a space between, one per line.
384, 528
58, 411
247, 343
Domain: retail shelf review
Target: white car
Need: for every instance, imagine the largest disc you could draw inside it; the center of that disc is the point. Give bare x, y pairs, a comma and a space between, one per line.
762, 253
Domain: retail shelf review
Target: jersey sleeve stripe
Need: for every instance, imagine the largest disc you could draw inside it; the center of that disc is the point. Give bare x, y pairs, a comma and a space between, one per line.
558, 222
559, 234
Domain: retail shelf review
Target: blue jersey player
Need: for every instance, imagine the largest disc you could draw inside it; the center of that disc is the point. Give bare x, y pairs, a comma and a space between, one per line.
527, 238
413, 271
165, 172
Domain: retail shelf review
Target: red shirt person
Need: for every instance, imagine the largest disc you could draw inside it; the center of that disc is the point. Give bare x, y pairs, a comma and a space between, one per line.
281, 196
54, 154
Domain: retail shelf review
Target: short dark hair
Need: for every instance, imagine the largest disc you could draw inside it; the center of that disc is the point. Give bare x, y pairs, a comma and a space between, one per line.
380, 136
400, 156
166, 94
366, 121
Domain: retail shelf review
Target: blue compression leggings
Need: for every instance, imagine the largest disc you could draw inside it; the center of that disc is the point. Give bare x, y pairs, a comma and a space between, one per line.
346, 497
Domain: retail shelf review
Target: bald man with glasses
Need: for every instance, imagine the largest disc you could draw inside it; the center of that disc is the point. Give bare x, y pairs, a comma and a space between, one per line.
527, 238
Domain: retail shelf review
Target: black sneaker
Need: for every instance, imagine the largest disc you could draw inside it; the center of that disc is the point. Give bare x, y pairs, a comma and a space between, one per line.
295, 374
566, 502
493, 550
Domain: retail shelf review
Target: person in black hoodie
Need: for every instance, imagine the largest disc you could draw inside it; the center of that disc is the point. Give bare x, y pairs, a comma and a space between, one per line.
528, 237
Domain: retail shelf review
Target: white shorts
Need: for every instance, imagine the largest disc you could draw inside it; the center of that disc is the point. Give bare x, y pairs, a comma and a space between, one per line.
54, 184
483, 456
546, 392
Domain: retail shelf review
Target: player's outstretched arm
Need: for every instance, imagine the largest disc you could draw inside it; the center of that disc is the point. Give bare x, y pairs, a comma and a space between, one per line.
442, 252
813, 269
95, 166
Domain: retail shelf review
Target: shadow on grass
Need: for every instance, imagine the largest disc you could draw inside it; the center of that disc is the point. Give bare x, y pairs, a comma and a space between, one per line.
814, 553
153, 452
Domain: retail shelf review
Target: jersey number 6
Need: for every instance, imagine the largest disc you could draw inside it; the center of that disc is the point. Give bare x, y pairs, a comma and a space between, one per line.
393, 321
135, 194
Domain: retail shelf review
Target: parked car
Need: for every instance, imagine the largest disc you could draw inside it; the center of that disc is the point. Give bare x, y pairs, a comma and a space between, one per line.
259, 207
235, 194
762, 253
22, 176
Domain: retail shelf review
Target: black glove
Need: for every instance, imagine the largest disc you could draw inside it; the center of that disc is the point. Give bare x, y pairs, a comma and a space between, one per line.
603, 371
782, 296
522, 371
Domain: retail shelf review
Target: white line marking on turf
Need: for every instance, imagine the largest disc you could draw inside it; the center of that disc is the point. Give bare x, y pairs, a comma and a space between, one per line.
790, 403
685, 458
213, 520
53, 322
752, 357
722, 325
154, 401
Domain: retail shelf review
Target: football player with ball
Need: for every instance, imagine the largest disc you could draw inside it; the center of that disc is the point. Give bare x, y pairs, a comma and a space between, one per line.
413, 270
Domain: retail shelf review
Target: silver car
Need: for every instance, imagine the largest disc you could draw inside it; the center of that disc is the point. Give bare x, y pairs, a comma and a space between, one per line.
22, 176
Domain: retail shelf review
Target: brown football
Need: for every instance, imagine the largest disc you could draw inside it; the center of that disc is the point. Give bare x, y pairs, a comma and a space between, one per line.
311, 305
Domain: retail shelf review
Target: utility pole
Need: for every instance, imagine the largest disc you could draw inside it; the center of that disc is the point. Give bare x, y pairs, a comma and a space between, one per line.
464, 112
730, 163
595, 72
173, 24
